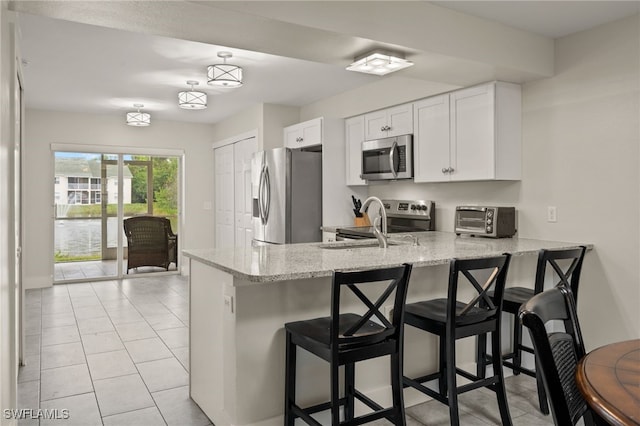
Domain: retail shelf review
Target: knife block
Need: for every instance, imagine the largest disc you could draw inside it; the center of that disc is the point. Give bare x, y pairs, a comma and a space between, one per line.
362, 221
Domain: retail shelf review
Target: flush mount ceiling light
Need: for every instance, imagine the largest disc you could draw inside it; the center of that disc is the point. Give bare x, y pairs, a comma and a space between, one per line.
192, 99
138, 118
379, 62
225, 75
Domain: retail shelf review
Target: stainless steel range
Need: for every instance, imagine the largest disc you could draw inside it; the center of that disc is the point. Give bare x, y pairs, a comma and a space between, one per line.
402, 216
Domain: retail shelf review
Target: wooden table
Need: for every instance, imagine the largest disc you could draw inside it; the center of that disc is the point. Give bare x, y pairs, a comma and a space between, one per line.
609, 379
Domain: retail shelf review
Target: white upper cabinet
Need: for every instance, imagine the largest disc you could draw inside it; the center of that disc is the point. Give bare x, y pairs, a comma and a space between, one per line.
431, 139
305, 134
354, 132
389, 122
469, 134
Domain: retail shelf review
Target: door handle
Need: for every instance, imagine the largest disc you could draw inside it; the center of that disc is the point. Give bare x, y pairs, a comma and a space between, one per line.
392, 155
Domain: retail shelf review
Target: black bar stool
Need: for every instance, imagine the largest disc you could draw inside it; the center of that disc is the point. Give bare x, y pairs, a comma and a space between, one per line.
514, 297
346, 338
451, 319
558, 354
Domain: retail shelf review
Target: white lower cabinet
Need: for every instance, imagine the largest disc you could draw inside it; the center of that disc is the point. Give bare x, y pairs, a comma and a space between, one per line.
470, 134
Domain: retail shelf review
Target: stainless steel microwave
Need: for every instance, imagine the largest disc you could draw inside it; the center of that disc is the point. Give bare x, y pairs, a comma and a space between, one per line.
495, 222
388, 158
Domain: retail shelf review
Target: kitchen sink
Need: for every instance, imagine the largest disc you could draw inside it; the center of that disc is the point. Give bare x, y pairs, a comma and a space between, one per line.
354, 245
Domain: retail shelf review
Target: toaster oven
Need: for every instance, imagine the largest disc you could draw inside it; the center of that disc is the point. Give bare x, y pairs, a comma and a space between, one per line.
494, 222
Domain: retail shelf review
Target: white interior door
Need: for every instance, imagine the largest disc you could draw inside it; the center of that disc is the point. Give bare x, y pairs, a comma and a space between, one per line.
224, 196
242, 189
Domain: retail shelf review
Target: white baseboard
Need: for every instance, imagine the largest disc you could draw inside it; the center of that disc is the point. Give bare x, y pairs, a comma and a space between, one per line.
37, 282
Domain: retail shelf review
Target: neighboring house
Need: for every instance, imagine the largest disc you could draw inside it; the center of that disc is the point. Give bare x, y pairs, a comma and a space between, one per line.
79, 181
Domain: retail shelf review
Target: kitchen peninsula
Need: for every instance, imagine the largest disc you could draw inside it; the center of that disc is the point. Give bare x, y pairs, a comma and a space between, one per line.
241, 298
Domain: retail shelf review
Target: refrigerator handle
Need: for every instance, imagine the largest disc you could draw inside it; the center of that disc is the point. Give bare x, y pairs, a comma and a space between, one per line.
261, 196
268, 190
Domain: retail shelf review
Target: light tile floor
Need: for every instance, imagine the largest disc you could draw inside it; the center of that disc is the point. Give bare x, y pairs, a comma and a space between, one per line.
115, 353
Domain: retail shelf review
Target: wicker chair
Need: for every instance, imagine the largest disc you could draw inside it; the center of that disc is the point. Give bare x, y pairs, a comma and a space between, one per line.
150, 241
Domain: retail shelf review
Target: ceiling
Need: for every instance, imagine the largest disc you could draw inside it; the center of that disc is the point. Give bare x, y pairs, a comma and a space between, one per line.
552, 18
71, 66
79, 67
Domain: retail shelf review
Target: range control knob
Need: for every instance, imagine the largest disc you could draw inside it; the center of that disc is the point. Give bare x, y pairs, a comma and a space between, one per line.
489, 221
490, 213
413, 207
489, 229
423, 207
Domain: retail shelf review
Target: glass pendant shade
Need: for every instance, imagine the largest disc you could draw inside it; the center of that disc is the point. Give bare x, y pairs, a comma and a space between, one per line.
192, 99
224, 75
379, 63
138, 118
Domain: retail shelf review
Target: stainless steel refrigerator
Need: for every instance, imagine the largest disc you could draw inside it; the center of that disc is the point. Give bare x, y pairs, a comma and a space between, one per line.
286, 187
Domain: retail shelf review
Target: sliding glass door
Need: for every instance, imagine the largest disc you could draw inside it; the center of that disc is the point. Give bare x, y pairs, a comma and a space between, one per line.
94, 194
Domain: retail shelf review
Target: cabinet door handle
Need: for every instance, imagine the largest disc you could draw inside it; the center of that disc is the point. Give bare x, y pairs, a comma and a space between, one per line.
382, 129
451, 170
445, 170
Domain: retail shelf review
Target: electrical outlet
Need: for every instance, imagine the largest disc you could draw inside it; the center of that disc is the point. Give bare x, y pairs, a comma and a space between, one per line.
552, 214
228, 303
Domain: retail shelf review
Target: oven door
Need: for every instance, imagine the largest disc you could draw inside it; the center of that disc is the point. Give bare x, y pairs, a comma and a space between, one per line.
389, 158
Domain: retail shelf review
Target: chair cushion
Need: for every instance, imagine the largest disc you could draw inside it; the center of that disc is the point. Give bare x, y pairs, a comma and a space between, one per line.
436, 310
318, 329
514, 297
517, 294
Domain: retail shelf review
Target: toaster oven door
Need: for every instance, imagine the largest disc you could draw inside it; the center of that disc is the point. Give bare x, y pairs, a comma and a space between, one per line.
472, 221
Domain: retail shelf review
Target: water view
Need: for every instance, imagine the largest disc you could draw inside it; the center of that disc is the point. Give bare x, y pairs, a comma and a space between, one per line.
83, 237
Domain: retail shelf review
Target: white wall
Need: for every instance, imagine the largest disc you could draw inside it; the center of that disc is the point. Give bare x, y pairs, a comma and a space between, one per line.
390, 90
240, 123
580, 154
277, 117
8, 293
46, 127
268, 119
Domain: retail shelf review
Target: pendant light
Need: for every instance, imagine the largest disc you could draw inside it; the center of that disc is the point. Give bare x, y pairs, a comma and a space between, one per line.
224, 75
138, 118
192, 99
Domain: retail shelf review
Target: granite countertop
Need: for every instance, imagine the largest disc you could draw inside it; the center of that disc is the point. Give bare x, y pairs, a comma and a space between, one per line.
269, 263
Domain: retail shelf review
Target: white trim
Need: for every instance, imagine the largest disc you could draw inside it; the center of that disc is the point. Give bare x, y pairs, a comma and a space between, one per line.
233, 139
111, 149
120, 216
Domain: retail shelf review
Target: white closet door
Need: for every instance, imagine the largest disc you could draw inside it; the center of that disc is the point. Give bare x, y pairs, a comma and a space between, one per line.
243, 151
224, 196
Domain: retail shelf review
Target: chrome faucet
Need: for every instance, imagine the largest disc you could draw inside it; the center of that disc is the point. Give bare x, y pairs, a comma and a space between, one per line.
379, 232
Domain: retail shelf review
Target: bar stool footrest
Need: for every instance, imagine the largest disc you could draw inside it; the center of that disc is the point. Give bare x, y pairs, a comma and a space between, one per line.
300, 413
320, 407
414, 383
523, 370
367, 401
367, 418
